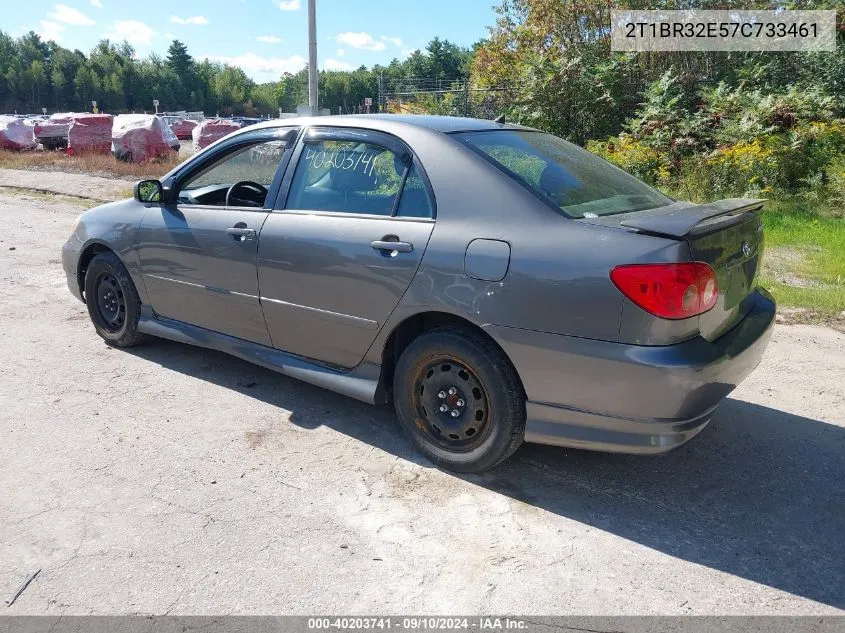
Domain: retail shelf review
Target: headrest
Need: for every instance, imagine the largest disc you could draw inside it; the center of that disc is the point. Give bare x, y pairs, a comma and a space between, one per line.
554, 180
352, 179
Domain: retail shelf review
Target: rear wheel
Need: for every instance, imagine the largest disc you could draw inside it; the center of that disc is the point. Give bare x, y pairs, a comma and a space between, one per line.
458, 398
113, 302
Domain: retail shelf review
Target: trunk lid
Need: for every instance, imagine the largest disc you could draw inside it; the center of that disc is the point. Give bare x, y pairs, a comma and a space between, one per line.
727, 235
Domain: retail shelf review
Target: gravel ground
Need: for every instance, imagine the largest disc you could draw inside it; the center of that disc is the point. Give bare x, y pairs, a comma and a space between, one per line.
171, 479
69, 184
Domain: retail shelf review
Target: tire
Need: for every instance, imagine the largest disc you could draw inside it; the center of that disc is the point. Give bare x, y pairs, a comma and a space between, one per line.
113, 302
486, 430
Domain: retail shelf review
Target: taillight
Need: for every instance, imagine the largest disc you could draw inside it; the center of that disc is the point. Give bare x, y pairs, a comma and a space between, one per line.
670, 291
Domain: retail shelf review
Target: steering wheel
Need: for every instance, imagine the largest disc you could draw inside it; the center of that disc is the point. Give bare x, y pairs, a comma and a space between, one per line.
249, 185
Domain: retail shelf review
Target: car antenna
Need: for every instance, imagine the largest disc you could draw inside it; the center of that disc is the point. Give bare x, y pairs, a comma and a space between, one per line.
499, 119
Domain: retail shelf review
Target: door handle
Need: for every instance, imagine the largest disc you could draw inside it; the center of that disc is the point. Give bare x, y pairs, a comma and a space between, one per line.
241, 233
399, 247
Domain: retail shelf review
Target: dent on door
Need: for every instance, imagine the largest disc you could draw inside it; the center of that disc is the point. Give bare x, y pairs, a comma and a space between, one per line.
329, 282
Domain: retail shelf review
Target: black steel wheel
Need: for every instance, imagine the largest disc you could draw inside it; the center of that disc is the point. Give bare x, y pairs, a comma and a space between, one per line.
459, 399
113, 302
452, 404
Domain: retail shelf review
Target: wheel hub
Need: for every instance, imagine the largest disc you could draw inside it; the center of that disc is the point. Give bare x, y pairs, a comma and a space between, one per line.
452, 404
452, 401
111, 303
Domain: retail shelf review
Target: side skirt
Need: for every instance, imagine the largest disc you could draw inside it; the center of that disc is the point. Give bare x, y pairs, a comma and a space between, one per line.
361, 383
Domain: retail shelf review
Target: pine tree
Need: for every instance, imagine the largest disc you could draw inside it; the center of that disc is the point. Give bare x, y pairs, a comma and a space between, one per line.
180, 61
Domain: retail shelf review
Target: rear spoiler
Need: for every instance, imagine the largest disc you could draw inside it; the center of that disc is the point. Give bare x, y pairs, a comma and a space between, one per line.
679, 220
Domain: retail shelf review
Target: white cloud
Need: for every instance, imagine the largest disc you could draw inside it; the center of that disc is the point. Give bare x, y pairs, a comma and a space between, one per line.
50, 30
269, 39
262, 68
288, 5
132, 31
96, 3
334, 64
363, 41
340, 52
69, 15
197, 20
396, 41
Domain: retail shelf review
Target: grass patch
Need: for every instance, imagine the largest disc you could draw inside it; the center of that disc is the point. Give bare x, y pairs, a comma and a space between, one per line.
94, 164
804, 264
822, 301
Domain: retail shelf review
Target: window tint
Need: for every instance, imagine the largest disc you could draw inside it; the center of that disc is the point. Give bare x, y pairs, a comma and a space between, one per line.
414, 202
346, 176
577, 181
257, 163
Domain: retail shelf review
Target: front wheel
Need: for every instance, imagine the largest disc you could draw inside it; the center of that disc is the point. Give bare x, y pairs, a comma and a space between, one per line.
113, 302
459, 399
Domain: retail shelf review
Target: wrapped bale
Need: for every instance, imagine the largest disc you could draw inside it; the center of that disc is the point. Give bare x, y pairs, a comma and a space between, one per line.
52, 133
139, 137
16, 134
89, 134
210, 130
170, 136
183, 128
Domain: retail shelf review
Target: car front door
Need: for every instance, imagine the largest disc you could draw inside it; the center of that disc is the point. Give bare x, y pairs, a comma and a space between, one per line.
334, 263
198, 250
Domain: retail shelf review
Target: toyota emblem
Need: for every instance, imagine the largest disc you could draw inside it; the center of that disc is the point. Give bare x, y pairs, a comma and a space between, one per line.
746, 249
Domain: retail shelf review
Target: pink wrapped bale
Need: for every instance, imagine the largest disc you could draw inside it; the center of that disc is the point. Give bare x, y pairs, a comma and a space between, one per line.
52, 133
139, 137
89, 134
183, 128
16, 134
210, 130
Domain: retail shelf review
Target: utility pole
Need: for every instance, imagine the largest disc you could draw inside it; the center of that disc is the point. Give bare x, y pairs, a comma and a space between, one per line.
312, 57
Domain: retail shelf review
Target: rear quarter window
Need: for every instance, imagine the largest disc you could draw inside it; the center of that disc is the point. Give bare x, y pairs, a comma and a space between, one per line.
576, 181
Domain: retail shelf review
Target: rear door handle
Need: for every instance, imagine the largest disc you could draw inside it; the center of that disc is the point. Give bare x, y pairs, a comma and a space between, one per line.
399, 247
241, 233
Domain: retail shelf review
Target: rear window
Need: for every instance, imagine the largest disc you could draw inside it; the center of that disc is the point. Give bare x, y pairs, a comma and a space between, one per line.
580, 183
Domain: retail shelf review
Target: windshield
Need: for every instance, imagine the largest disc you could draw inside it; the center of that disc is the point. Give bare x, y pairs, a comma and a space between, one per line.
580, 183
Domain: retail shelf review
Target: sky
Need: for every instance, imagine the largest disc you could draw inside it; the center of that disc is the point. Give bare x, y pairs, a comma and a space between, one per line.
264, 37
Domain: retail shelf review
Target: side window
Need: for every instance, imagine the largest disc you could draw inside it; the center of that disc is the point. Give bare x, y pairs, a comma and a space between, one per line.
347, 176
256, 164
415, 202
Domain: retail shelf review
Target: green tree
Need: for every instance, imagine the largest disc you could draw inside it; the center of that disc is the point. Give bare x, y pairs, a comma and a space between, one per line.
179, 61
182, 66
87, 86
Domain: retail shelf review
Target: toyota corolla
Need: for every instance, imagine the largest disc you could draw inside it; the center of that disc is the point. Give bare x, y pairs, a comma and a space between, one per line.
495, 283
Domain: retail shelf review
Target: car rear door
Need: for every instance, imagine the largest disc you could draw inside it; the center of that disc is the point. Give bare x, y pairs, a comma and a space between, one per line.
198, 254
336, 260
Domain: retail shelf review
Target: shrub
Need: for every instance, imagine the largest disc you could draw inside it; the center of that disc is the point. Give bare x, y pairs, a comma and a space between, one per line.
635, 157
733, 143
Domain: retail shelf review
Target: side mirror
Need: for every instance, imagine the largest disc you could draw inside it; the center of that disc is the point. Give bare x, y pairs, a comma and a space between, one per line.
149, 191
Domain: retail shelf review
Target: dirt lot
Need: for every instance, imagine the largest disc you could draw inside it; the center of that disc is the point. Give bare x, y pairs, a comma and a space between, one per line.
179, 480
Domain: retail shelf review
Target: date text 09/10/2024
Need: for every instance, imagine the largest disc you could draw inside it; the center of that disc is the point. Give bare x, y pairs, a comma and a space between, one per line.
416, 623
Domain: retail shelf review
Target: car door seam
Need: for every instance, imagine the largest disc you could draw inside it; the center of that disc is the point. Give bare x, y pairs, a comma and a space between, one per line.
258, 272
402, 297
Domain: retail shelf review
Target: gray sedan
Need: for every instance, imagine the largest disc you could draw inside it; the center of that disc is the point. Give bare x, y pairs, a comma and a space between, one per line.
494, 282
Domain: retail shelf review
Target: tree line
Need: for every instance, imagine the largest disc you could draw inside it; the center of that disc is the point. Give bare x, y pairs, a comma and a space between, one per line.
545, 63
37, 74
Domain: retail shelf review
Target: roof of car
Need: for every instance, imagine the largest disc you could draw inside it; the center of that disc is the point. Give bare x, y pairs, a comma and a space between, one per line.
441, 123
444, 124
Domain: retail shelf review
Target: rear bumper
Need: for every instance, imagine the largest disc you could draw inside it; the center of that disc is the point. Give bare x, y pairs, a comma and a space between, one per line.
628, 398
